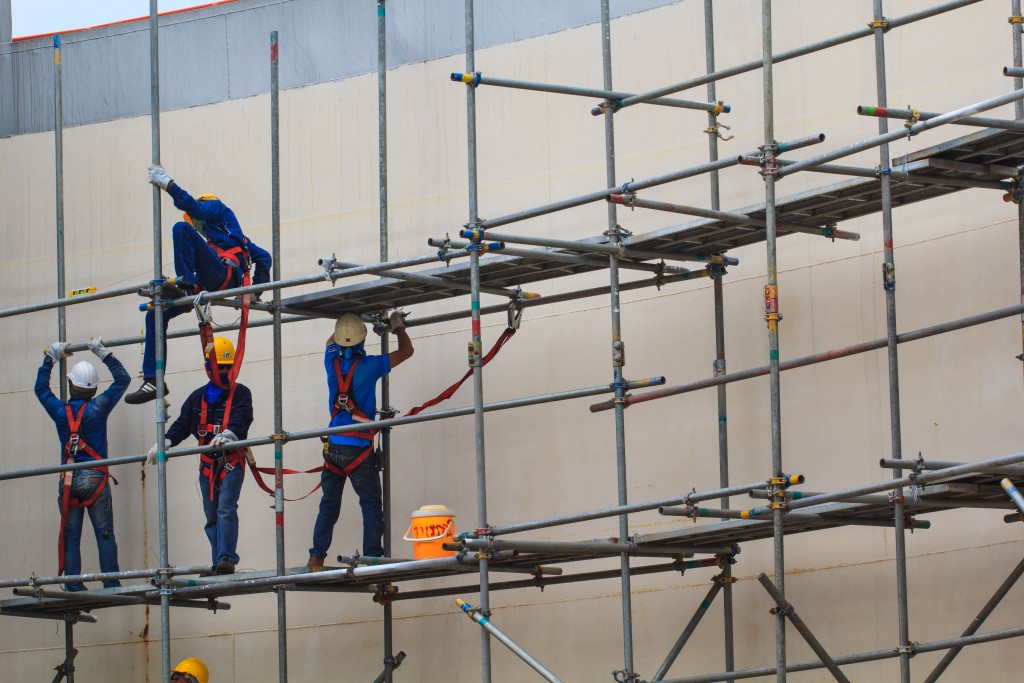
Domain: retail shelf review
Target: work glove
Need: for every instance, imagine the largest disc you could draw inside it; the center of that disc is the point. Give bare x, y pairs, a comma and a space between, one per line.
57, 351
151, 456
158, 176
397, 320
96, 346
225, 437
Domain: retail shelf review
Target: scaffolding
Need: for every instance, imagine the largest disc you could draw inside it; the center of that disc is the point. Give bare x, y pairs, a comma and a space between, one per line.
988, 159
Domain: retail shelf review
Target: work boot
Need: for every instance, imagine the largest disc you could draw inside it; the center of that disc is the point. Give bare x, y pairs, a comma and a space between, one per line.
224, 566
145, 393
314, 563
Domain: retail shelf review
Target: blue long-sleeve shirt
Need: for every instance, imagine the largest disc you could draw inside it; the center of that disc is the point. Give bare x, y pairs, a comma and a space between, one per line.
222, 228
362, 391
93, 429
188, 420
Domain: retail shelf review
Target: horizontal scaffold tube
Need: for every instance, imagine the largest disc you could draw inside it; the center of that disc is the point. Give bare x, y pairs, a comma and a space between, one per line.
873, 656
692, 497
793, 54
917, 115
599, 248
478, 78
1013, 71
884, 499
78, 299
898, 174
826, 231
435, 281
595, 547
892, 136
792, 517
890, 464
362, 426
90, 600
803, 361
103, 576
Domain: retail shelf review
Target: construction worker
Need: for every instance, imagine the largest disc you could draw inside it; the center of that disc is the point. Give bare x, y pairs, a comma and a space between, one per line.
210, 253
352, 397
82, 429
217, 416
190, 670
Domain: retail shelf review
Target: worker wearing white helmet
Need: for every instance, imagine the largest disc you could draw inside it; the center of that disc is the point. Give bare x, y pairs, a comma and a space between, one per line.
352, 385
82, 428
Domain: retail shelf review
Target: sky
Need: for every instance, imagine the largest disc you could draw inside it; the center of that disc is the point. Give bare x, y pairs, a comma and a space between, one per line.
32, 17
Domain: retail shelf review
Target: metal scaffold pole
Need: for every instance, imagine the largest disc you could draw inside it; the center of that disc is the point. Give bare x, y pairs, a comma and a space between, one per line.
476, 345
1016, 25
889, 285
390, 661
160, 344
618, 349
58, 147
769, 168
719, 363
275, 226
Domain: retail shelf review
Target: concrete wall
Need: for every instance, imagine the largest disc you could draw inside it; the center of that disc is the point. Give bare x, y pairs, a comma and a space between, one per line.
961, 393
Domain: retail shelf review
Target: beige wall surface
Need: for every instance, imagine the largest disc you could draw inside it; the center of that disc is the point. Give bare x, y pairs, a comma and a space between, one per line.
961, 393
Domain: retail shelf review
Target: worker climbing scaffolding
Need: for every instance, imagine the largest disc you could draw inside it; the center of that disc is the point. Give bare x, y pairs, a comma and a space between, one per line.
211, 253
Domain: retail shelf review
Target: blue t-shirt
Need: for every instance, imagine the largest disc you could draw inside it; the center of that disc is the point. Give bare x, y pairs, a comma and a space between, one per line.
362, 391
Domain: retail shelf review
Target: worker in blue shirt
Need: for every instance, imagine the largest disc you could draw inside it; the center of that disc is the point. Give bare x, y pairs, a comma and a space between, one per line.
217, 416
352, 397
210, 253
82, 429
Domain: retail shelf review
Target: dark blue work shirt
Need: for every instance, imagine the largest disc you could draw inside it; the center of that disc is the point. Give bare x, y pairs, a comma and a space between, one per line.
363, 390
222, 229
93, 429
188, 420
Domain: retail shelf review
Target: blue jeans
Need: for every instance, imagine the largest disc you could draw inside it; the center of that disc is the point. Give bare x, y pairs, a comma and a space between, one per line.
196, 263
366, 483
101, 514
222, 512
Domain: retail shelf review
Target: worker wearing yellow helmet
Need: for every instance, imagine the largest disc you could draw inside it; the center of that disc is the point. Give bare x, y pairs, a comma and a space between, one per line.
352, 397
190, 670
217, 416
210, 253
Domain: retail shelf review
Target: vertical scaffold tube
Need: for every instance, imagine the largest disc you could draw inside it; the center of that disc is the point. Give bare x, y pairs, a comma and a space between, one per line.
58, 150
476, 344
618, 350
889, 285
719, 364
275, 226
69, 650
160, 343
1018, 83
771, 302
385, 389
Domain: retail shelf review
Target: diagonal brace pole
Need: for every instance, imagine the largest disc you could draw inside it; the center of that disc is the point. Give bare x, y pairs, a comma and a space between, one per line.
786, 608
989, 607
688, 631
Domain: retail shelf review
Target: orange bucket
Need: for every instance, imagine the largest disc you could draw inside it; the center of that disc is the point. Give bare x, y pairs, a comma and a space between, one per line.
432, 526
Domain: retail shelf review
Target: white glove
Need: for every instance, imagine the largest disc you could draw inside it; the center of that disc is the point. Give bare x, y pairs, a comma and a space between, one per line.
397, 320
57, 351
96, 346
158, 176
225, 437
151, 456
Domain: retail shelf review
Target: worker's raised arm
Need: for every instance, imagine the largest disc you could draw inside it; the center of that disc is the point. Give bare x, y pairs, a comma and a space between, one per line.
405, 349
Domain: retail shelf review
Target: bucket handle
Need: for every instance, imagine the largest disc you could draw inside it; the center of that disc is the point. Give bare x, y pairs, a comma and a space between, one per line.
447, 528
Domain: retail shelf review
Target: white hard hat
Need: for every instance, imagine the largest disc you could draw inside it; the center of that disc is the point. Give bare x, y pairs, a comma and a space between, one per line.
84, 376
349, 330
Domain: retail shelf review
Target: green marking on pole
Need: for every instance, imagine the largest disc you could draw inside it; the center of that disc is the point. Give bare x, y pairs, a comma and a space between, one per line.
870, 111
704, 604
773, 354
159, 365
380, 11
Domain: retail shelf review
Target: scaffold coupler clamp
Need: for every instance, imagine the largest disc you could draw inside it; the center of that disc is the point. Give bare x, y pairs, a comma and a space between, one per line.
882, 23
713, 130
786, 611
628, 197
771, 307
328, 264
716, 270
1016, 193
767, 159
915, 488
908, 649
619, 353
623, 676
915, 118
472, 80
1017, 20
829, 231
163, 579
777, 493
385, 594
608, 105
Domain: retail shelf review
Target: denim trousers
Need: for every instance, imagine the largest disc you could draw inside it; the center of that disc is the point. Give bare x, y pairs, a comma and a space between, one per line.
101, 514
222, 512
366, 482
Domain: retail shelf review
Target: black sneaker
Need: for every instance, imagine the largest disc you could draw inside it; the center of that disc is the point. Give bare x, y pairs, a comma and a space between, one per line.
145, 393
224, 566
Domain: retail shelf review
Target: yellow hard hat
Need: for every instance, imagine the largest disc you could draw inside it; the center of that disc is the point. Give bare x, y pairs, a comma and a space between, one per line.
224, 351
195, 668
207, 197
349, 330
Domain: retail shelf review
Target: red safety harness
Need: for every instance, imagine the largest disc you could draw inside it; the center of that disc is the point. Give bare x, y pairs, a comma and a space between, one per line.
210, 467
74, 444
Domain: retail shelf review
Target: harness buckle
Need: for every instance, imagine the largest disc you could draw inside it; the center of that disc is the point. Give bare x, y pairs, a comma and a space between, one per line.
342, 403
73, 444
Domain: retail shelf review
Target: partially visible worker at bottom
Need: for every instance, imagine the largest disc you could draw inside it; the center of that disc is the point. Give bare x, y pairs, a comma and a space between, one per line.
210, 253
190, 670
82, 428
216, 417
352, 397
